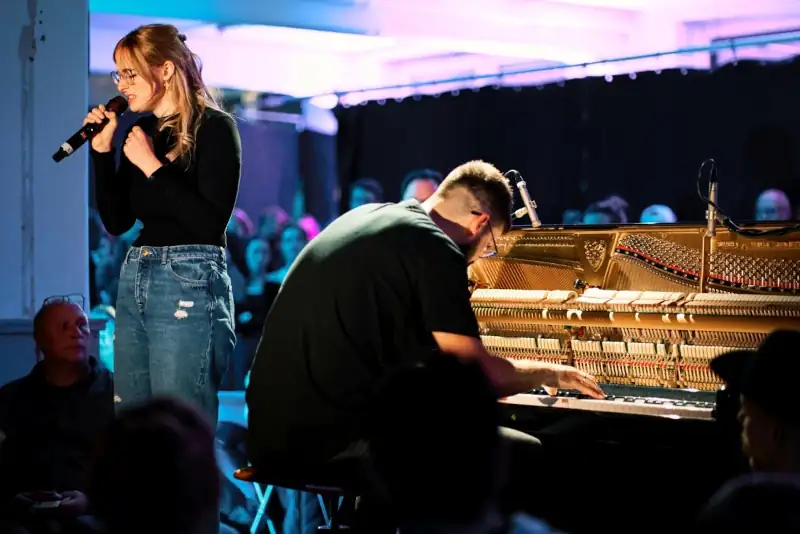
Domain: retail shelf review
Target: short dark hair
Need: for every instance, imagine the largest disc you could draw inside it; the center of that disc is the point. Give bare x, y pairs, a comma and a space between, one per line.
370, 184
156, 465
487, 184
421, 174
614, 206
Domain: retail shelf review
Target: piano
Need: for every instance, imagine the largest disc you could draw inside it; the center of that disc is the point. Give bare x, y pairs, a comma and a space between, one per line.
644, 308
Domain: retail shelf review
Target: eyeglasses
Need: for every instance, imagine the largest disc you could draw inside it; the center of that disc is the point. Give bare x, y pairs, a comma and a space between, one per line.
125, 74
491, 247
73, 298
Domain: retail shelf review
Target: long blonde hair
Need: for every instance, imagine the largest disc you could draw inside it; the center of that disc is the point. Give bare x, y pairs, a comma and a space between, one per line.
148, 48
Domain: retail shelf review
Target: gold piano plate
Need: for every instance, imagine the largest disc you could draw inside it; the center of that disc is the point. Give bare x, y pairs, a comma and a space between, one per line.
640, 305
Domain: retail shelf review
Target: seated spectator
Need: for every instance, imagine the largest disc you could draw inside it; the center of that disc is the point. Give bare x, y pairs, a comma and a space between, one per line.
420, 184
657, 213
270, 222
773, 205
452, 403
753, 504
764, 379
49, 423
365, 191
571, 217
610, 210
240, 224
251, 311
290, 244
310, 225
156, 472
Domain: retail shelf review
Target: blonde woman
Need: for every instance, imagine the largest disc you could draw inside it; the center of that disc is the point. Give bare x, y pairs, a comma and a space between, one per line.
179, 175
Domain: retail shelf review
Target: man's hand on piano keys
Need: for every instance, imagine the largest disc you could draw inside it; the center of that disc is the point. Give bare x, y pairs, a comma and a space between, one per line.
555, 376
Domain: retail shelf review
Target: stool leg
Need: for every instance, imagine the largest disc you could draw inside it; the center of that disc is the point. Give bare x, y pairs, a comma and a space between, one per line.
330, 507
325, 516
263, 502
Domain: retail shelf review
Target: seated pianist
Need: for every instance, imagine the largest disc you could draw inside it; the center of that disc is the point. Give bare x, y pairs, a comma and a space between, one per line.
383, 288
50, 421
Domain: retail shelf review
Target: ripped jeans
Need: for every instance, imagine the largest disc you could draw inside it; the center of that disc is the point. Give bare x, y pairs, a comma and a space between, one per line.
174, 326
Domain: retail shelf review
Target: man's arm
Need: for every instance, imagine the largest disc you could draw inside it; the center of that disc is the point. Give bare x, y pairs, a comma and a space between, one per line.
511, 378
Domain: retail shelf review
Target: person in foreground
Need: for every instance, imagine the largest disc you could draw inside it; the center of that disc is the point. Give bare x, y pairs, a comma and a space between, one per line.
49, 422
179, 174
156, 472
768, 412
382, 288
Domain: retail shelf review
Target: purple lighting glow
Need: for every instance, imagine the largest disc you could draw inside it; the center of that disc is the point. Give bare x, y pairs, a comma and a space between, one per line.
384, 49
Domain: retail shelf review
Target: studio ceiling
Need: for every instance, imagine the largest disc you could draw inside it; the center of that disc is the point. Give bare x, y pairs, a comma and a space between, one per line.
313, 47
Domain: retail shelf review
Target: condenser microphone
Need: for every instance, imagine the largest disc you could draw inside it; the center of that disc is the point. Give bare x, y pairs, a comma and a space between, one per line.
118, 105
530, 205
711, 212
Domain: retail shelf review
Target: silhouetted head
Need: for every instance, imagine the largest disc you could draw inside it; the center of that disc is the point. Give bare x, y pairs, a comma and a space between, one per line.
420, 184
365, 191
156, 471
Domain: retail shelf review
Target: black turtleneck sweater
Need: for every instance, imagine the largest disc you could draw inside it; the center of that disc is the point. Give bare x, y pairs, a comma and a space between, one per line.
182, 203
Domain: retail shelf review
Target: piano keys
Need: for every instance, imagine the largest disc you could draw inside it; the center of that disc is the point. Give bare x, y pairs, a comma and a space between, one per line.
697, 405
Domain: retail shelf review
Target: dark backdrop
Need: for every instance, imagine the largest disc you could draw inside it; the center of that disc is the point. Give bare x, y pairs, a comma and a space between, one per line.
579, 141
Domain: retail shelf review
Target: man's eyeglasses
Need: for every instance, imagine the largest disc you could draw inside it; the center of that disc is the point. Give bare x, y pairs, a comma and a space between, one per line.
491, 246
73, 298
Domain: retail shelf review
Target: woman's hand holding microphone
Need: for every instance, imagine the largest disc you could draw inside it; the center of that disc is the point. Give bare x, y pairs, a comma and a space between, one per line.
102, 141
138, 147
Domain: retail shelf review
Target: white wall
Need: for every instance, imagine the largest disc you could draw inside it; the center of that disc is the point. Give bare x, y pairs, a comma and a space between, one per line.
44, 54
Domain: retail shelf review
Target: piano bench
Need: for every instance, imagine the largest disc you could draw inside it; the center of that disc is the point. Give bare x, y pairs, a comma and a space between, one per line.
331, 495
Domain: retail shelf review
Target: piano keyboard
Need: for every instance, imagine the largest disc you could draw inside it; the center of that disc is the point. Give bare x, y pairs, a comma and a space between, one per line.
621, 404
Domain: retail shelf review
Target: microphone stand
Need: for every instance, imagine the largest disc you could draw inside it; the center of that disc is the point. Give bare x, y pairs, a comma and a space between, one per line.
710, 237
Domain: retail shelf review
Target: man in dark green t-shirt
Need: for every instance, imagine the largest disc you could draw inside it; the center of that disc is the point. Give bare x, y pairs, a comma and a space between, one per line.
383, 287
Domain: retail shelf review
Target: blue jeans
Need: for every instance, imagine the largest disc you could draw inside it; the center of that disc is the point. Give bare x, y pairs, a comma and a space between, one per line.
174, 325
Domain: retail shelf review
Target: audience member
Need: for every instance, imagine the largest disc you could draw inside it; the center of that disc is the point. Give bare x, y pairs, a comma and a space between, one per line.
251, 310
290, 244
156, 472
765, 380
657, 213
773, 205
365, 191
240, 224
610, 210
753, 504
420, 184
237, 234
270, 225
49, 422
571, 217
310, 225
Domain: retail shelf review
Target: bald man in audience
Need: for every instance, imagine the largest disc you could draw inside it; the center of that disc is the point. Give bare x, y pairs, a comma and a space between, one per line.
773, 205
657, 213
49, 422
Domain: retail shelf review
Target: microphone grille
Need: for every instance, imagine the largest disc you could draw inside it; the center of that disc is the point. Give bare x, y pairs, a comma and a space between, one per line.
118, 105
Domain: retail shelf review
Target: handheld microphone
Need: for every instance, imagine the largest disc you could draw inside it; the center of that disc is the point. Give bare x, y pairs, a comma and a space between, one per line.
530, 205
118, 105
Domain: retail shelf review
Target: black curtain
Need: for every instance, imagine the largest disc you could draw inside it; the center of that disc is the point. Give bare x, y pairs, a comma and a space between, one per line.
317, 167
642, 137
